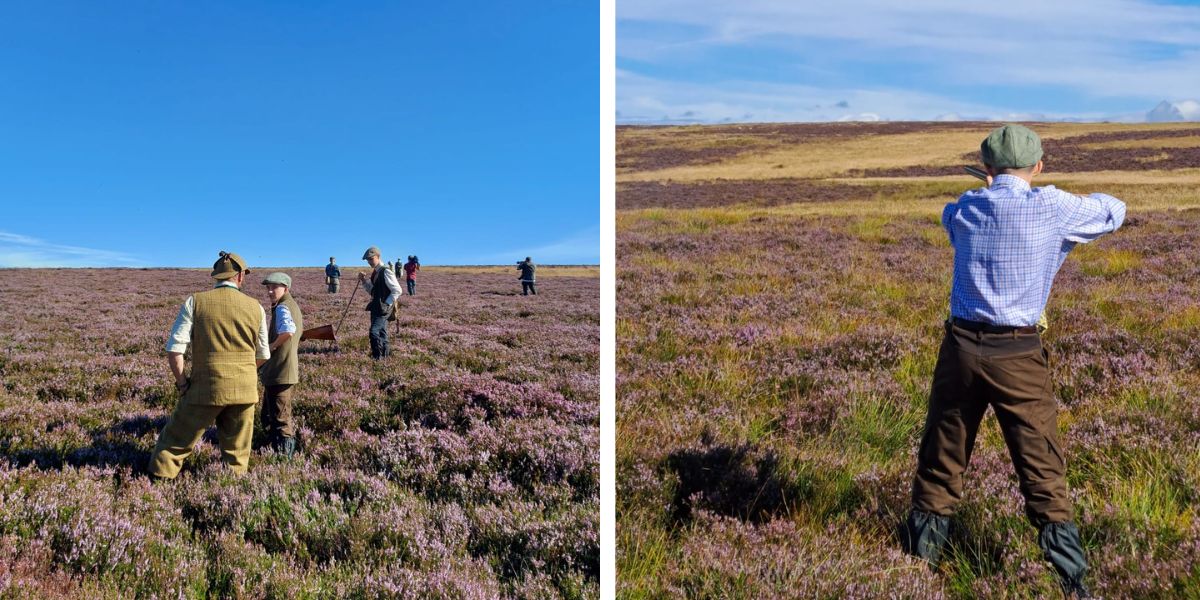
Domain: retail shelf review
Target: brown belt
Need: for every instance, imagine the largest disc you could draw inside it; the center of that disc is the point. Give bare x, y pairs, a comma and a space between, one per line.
979, 327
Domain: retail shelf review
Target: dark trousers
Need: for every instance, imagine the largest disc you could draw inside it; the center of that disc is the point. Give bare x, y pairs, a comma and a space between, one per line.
277, 413
1010, 372
412, 287
333, 285
378, 333
527, 288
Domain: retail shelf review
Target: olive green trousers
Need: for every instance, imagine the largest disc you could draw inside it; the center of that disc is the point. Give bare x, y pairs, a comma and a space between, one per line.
235, 430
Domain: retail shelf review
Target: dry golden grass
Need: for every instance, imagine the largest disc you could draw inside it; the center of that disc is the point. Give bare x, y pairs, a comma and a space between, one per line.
827, 158
831, 157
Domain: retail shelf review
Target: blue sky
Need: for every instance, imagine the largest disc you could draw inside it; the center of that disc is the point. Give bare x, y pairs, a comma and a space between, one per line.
158, 133
779, 60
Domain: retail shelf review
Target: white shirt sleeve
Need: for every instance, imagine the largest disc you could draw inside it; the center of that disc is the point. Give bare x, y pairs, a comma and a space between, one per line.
393, 285
181, 331
264, 348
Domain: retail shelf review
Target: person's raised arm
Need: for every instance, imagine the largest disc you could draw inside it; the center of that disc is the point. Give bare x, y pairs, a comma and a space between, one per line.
1086, 218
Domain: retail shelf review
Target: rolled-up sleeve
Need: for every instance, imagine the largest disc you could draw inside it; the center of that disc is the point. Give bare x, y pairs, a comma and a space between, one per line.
1086, 218
283, 320
264, 349
181, 331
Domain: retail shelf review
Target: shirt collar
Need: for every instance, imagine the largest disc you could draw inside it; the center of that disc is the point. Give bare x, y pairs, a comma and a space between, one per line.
226, 284
1010, 181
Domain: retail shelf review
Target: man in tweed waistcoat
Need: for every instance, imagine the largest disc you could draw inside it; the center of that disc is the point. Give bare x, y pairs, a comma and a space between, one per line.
227, 331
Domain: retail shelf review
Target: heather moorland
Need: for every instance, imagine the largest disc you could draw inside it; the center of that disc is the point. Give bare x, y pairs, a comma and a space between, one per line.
465, 465
781, 291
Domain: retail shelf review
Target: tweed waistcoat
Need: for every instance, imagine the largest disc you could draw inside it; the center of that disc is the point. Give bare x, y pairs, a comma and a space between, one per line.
284, 366
224, 336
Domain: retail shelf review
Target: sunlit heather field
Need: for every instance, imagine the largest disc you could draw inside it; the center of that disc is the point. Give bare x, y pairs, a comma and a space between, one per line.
464, 466
781, 290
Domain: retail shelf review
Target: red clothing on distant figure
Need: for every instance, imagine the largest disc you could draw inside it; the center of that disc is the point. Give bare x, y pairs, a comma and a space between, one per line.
410, 270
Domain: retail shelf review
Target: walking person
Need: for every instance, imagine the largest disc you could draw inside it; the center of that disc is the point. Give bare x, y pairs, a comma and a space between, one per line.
527, 269
410, 274
385, 292
333, 276
1009, 241
227, 332
281, 372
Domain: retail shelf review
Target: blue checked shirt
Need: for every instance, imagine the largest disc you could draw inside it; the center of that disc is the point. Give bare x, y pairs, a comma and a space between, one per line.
1010, 240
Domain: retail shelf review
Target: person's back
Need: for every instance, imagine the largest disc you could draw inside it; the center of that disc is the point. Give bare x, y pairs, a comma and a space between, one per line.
225, 330
410, 274
1010, 241
527, 269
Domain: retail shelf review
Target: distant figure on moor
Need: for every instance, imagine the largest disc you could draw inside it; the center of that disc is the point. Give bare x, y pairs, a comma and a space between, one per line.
333, 276
410, 274
527, 269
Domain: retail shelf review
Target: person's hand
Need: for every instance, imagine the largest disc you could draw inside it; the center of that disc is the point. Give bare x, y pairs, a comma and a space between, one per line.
182, 384
362, 276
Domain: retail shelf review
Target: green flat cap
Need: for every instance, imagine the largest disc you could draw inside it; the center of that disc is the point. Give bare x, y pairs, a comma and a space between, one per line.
372, 251
279, 278
1011, 146
228, 265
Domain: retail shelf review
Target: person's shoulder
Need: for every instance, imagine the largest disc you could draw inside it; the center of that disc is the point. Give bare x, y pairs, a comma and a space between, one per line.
206, 294
1051, 195
246, 300
971, 195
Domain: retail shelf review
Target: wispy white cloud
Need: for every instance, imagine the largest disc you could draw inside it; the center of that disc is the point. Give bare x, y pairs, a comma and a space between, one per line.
582, 247
646, 99
18, 250
1125, 49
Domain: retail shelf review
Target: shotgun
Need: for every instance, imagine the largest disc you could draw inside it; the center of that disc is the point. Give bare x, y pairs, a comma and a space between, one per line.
976, 172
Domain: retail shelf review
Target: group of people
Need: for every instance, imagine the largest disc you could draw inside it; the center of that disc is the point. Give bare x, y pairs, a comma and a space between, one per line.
234, 346
526, 269
1009, 240
333, 274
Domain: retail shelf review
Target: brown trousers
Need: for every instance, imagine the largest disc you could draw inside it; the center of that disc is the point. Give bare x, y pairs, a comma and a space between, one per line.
1011, 373
277, 412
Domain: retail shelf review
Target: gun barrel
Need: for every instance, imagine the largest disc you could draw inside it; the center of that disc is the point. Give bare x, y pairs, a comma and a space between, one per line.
977, 173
